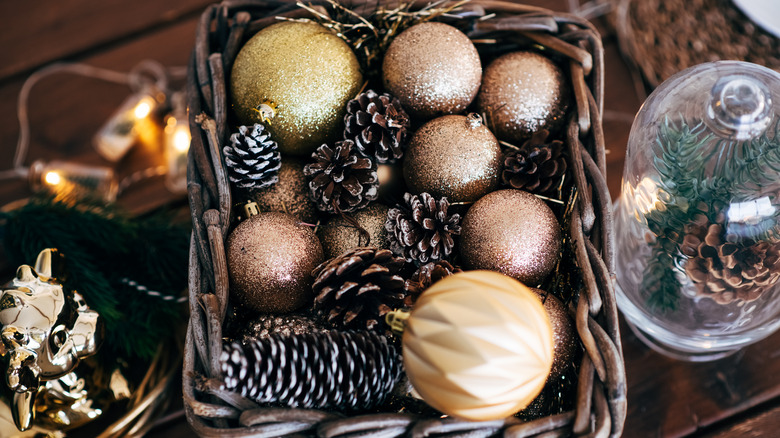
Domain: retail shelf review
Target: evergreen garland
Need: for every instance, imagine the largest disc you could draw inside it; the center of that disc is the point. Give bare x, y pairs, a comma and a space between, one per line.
103, 249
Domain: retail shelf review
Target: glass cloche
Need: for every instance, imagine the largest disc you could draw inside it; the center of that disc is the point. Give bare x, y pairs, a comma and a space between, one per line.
697, 230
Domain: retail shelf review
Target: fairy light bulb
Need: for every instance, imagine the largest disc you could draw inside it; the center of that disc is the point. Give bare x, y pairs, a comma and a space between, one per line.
128, 124
177, 144
69, 181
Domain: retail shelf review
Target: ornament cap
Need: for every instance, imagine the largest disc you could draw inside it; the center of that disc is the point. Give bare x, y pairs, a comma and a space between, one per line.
251, 209
396, 320
473, 120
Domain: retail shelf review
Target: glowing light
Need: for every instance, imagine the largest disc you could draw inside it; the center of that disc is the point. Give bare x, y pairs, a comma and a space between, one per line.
52, 178
181, 139
142, 109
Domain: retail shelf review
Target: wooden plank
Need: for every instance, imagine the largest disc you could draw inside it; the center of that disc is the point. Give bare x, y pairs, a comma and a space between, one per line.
39, 32
65, 111
761, 422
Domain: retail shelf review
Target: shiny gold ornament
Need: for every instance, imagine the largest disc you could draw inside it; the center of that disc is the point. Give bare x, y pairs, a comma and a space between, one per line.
522, 93
565, 339
338, 235
295, 78
478, 346
453, 156
290, 194
45, 330
433, 68
270, 258
512, 232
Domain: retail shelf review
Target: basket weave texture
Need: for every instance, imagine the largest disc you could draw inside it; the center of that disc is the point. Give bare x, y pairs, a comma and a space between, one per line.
601, 392
663, 37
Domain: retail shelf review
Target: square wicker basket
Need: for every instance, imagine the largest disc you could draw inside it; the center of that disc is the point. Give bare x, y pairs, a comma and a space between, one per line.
600, 407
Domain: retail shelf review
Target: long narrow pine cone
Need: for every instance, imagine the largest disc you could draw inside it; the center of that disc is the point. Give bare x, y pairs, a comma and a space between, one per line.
728, 271
341, 179
334, 370
378, 125
420, 230
537, 167
252, 158
424, 277
358, 288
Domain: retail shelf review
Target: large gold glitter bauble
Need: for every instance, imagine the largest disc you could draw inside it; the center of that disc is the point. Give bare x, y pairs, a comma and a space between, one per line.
290, 194
433, 68
295, 78
512, 232
338, 235
478, 346
566, 341
522, 93
453, 156
270, 257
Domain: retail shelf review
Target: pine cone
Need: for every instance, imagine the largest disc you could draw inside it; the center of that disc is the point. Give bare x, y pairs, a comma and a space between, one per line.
359, 287
341, 180
421, 231
378, 125
334, 370
252, 158
263, 326
537, 167
424, 277
728, 271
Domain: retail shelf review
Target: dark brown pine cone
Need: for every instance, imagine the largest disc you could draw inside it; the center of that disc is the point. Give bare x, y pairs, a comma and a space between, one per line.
536, 167
263, 326
378, 125
728, 271
424, 277
252, 158
341, 180
420, 230
358, 288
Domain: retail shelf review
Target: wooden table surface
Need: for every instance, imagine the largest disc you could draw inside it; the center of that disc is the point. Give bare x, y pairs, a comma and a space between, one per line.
736, 396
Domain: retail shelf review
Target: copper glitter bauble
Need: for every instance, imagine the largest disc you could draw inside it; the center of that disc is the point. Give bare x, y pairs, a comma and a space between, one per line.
270, 257
512, 232
565, 338
290, 194
522, 93
453, 156
338, 235
296, 79
478, 346
433, 68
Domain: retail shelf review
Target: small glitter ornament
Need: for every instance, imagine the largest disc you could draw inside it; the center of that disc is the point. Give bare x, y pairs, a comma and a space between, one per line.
338, 235
433, 68
455, 157
296, 79
565, 338
270, 257
512, 232
521, 93
478, 346
290, 194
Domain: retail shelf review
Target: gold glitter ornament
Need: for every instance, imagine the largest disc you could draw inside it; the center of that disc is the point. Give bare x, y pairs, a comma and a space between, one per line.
478, 346
566, 342
512, 232
433, 69
290, 194
453, 156
296, 79
270, 257
338, 235
522, 93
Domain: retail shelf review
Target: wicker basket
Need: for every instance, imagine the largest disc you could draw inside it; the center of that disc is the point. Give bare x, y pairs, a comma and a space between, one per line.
601, 393
703, 31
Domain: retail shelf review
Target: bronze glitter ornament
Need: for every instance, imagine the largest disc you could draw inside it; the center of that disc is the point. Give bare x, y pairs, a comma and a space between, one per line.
270, 257
433, 68
455, 157
566, 343
338, 235
512, 232
521, 93
289, 195
296, 79
478, 346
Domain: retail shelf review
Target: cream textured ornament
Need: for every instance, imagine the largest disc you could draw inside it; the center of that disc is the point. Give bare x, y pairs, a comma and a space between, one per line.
478, 345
